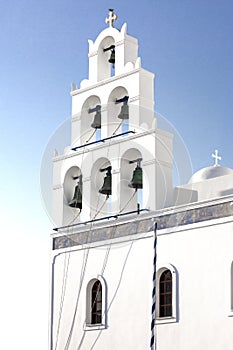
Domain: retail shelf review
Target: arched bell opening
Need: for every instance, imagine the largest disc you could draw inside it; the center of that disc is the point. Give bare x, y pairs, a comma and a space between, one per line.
73, 195
131, 181
91, 120
101, 188
118, 111
106, 58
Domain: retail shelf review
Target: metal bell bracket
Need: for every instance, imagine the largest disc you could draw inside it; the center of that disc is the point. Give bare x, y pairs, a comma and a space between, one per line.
108, 169
123, 99
96, 109
76, 177
138, 161
112, 47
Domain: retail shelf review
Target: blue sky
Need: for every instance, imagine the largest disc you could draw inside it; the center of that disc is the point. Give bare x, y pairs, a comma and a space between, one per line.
187, 44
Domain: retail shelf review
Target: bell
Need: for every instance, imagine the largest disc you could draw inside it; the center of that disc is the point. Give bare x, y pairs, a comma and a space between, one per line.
124, 114
112, 57
107, 186
97, 121
136, 181
76, 202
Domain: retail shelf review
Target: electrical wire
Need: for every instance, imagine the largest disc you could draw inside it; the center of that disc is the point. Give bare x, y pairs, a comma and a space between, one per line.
64, 281
103, 269
91, 136
125, 206
86, 253
84, 264
118, 127
114, 295
65, 272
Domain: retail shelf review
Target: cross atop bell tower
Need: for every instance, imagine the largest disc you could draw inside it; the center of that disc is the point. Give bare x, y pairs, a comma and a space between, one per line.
112, 18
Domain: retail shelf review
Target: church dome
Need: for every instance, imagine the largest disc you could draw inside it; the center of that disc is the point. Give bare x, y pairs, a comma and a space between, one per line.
210, 172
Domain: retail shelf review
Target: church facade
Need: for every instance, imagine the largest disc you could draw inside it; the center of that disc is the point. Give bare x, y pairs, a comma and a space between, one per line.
136, 263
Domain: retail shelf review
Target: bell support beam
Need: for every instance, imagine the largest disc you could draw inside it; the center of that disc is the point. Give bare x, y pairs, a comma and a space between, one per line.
101, 219
102, 140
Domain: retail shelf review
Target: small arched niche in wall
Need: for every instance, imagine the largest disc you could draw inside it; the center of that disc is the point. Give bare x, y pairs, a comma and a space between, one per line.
106, 53
118, 111
131, 180
91, 120
72, 203
101, 186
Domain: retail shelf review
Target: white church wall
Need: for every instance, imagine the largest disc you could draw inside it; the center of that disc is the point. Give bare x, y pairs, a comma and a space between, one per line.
128, 299
202, 257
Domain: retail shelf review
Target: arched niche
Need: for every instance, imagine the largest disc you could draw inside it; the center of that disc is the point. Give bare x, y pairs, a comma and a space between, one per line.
129, 197
87, 118
71, 179
99, 202
114, 109
103, 66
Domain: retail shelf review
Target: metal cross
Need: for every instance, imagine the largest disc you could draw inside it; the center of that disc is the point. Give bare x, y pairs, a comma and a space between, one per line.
216, 157
112, 17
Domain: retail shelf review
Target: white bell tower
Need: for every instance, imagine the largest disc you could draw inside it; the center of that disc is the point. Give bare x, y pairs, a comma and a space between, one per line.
106, 187
113, 128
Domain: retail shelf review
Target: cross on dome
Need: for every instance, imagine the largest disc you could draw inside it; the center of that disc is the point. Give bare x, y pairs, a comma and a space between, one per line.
112, 17
216, 157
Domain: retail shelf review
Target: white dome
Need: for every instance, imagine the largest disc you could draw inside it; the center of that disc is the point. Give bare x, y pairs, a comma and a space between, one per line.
209, 173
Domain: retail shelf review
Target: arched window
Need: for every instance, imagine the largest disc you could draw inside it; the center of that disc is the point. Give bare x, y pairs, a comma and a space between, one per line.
96, 303
165, 294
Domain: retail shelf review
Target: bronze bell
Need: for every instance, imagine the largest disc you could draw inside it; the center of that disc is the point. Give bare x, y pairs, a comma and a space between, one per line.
112, 57
124, 114
136, 181
107, 185
97, 121
76, 201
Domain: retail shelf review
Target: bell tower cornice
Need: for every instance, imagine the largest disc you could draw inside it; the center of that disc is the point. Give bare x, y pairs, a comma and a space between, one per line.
86, 85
